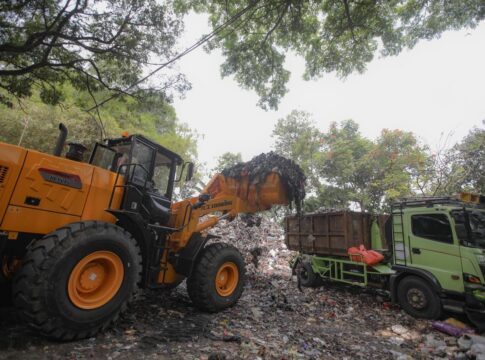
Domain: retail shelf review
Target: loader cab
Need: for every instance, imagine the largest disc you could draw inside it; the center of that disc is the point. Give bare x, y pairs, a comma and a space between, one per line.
149, 173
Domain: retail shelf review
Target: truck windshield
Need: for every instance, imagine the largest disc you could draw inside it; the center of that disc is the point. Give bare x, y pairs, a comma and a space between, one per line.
470, 227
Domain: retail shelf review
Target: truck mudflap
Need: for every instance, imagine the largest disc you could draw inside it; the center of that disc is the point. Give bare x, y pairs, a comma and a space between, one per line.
475, 307
476, 317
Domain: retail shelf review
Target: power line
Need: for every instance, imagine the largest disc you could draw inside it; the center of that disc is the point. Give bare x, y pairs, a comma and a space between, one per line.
197, 44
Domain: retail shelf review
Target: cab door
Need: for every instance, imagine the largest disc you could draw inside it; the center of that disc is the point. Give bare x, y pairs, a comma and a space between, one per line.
433, 248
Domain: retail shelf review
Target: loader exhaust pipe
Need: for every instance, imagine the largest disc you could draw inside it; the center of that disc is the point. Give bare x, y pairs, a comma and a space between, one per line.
61, 139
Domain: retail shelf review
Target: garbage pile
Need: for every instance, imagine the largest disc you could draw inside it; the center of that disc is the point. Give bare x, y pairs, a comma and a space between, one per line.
272, 320
260, 166
260, 240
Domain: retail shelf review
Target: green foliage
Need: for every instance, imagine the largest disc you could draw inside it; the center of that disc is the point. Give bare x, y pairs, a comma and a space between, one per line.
91, 45
344, 167
297, 138
227, 160
472, 159
150, 116
35, 125
332, 36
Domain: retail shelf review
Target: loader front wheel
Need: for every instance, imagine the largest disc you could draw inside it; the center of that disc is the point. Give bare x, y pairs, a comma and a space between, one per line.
217, 280
77, 280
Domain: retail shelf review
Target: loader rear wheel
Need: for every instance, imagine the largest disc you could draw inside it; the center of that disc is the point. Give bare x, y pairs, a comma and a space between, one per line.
217, 280
77, 280
5, 294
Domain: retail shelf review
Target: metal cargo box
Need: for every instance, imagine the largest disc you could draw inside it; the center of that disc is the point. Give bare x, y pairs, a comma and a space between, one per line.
328, 233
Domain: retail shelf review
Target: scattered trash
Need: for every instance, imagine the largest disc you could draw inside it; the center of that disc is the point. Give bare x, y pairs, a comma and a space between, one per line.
272, 320
452, 327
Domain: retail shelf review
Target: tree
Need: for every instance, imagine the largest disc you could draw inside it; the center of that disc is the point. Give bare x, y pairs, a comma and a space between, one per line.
297, 138
92, 45
472, 159
33, 124
227, 160
370, 174
460, 167
339, 36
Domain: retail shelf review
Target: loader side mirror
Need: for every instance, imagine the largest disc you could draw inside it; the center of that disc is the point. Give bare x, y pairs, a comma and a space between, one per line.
190, 171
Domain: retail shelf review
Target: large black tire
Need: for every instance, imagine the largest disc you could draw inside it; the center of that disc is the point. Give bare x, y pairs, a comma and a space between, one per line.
418, 299
306, 276
201, 285
5, 294
5, 289
40, 288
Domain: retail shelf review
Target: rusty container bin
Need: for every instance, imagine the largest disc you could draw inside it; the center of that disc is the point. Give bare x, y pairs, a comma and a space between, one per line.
328, 234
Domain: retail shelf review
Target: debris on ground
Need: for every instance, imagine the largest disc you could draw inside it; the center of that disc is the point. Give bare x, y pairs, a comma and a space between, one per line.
272, 320
453, 327
260, 166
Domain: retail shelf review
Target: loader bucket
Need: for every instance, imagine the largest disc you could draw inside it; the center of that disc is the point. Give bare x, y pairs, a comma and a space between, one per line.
255, 196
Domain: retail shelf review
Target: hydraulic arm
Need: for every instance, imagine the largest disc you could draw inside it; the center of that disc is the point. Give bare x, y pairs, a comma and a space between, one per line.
226, 195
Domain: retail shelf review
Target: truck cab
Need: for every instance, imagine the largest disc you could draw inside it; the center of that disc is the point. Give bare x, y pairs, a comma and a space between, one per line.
439, 242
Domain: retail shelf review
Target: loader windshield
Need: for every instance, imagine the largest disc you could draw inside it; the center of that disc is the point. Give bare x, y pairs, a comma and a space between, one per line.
161, 173
470, 227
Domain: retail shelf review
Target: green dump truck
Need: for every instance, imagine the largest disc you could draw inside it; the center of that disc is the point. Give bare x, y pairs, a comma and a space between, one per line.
434, 251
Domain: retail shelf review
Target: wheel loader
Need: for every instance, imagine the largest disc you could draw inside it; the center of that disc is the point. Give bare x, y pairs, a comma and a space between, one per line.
78, 238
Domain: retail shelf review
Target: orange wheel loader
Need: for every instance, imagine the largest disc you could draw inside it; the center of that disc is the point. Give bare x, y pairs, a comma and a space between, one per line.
77, 239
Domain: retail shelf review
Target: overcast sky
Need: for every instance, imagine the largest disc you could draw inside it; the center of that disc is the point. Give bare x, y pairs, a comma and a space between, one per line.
436, 89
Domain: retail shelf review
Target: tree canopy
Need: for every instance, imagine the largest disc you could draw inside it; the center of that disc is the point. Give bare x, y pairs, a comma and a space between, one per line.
227, 160
110, 44
33, 124
92, 45
340, 36
344, 167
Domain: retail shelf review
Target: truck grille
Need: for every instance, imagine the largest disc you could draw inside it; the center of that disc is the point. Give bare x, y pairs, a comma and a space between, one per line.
3, 173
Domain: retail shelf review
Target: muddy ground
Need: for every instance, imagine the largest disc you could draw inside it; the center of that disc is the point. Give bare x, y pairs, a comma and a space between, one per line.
272, 320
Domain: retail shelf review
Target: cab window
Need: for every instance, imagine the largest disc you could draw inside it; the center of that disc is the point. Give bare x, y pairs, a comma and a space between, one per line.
142, 155
161, 173
433, 227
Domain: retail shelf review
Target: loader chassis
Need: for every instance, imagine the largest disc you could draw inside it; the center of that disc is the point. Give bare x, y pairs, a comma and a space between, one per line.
77, 239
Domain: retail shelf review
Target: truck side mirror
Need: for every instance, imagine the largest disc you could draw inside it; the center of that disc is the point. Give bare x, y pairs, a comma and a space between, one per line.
190, 171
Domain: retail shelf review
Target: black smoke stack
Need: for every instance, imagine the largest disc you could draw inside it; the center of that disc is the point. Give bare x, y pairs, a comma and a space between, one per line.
61, 139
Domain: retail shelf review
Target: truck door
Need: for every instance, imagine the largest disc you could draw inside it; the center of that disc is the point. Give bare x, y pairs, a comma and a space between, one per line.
433, 248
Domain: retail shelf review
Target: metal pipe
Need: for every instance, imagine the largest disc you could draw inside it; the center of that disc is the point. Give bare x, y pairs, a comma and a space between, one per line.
61, 139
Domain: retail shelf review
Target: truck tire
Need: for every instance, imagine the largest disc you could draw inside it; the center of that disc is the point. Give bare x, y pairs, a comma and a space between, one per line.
418, 299
218, 278
77, 280
306, 276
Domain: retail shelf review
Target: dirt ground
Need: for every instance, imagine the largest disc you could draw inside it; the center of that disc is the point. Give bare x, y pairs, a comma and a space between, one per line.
272, 320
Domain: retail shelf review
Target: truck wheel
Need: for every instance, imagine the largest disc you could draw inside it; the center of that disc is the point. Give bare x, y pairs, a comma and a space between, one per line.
218, 278
417, 298
77, 280
306, 275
